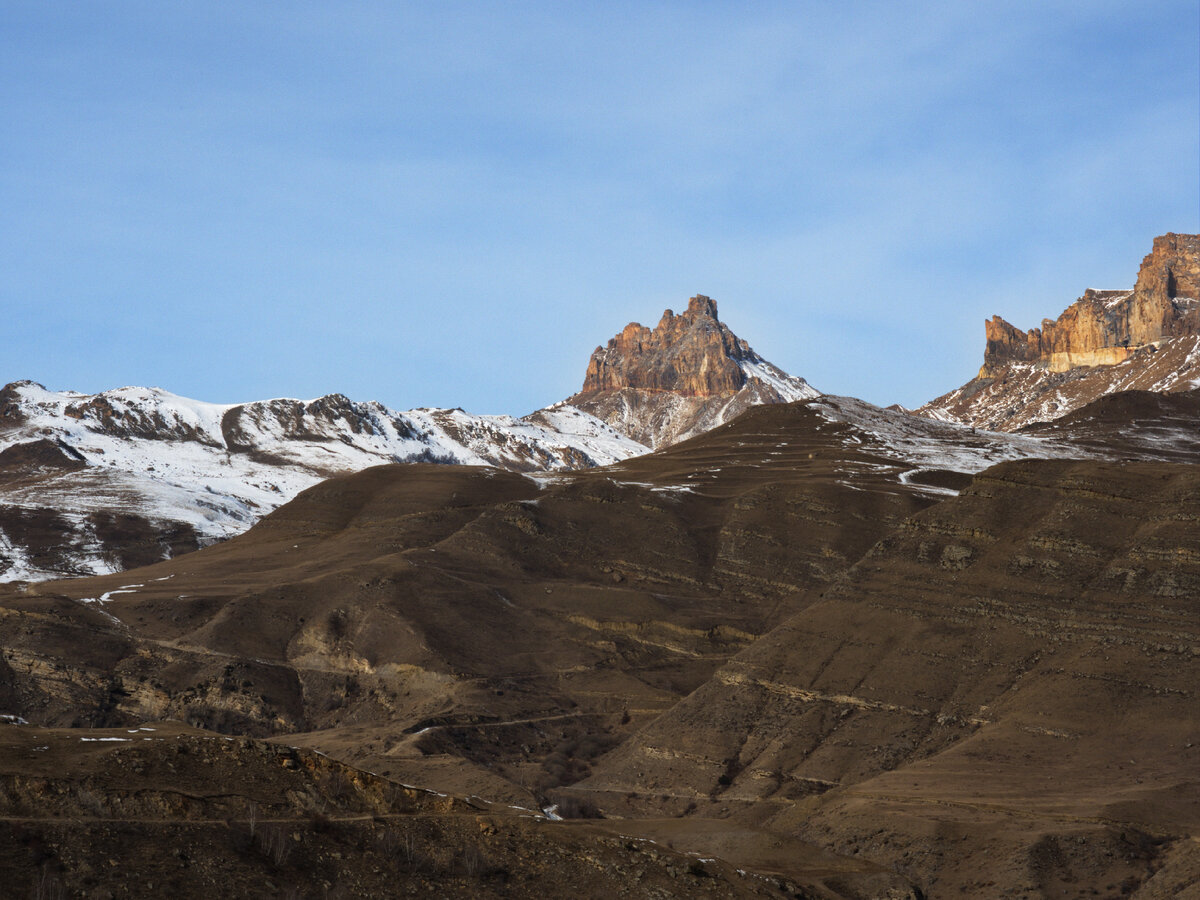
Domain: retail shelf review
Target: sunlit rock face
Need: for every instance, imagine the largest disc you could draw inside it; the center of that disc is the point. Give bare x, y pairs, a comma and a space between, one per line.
1106, 341
1105, 327
693, 354
688, 374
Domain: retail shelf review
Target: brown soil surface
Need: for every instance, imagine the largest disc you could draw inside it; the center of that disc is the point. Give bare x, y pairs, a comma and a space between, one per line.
166, 810
1000, 696
763, 645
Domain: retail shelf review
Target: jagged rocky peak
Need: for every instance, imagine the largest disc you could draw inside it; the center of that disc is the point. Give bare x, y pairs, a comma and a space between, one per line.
693, 354
1103, 328
688, 374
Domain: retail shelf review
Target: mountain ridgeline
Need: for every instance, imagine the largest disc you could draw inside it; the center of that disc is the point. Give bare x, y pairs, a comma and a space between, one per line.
758, 641
104, 482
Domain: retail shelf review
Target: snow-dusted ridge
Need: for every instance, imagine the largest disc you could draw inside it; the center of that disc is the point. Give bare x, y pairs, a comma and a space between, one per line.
1028, 393
661, 418
215, 469
927, 443
790, 388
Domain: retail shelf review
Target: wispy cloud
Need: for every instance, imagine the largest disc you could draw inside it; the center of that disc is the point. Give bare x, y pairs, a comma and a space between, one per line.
454, 203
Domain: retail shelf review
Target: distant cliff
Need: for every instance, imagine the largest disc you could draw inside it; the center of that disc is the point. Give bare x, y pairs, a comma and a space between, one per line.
693, 354
1147, 338
1102, 328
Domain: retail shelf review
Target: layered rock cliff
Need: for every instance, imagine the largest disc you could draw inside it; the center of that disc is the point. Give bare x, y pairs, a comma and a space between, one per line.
1106, 341
688, 374
1106, 327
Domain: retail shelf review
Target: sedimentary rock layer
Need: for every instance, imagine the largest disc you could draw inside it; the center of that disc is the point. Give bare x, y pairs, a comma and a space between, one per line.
1106, 327
1009, 671
1107, 341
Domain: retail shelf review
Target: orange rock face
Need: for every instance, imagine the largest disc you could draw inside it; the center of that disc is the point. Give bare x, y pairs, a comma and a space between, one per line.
693, 354
1106, 327
1168, 279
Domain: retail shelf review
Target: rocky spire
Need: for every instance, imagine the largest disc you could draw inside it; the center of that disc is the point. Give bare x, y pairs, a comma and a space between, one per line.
692, 354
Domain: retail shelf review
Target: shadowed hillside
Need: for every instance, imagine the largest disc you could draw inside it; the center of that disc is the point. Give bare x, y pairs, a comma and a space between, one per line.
785, 643
1001, 693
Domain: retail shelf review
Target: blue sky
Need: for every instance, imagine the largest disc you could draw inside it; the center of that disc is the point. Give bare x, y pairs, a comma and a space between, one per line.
452, 204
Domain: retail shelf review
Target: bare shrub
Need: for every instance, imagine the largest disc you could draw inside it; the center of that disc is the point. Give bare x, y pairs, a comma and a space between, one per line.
470, 861
337, 622
239, 836
404, 849
320, 822
275, 843
570, 760
91, 803
570, 807
48, 886
339, 787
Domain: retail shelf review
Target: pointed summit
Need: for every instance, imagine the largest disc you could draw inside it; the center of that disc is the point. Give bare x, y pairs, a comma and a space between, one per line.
686, 375
693, 354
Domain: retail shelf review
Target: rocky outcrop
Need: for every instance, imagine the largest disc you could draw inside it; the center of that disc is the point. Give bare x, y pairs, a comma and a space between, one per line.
1105, 341
693, 354
1168, 287
685, 376
1093, 331
1106, 327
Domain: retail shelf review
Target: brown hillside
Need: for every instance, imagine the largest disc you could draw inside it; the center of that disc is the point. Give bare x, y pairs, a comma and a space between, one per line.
1000, 698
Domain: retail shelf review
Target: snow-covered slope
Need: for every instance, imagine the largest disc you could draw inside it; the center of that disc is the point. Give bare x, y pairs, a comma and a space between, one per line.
918, 447
787, 388
95, 483
1025, 393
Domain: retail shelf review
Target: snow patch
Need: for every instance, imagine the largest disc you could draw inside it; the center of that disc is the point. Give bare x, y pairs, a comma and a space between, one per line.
923, 443
790, 387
